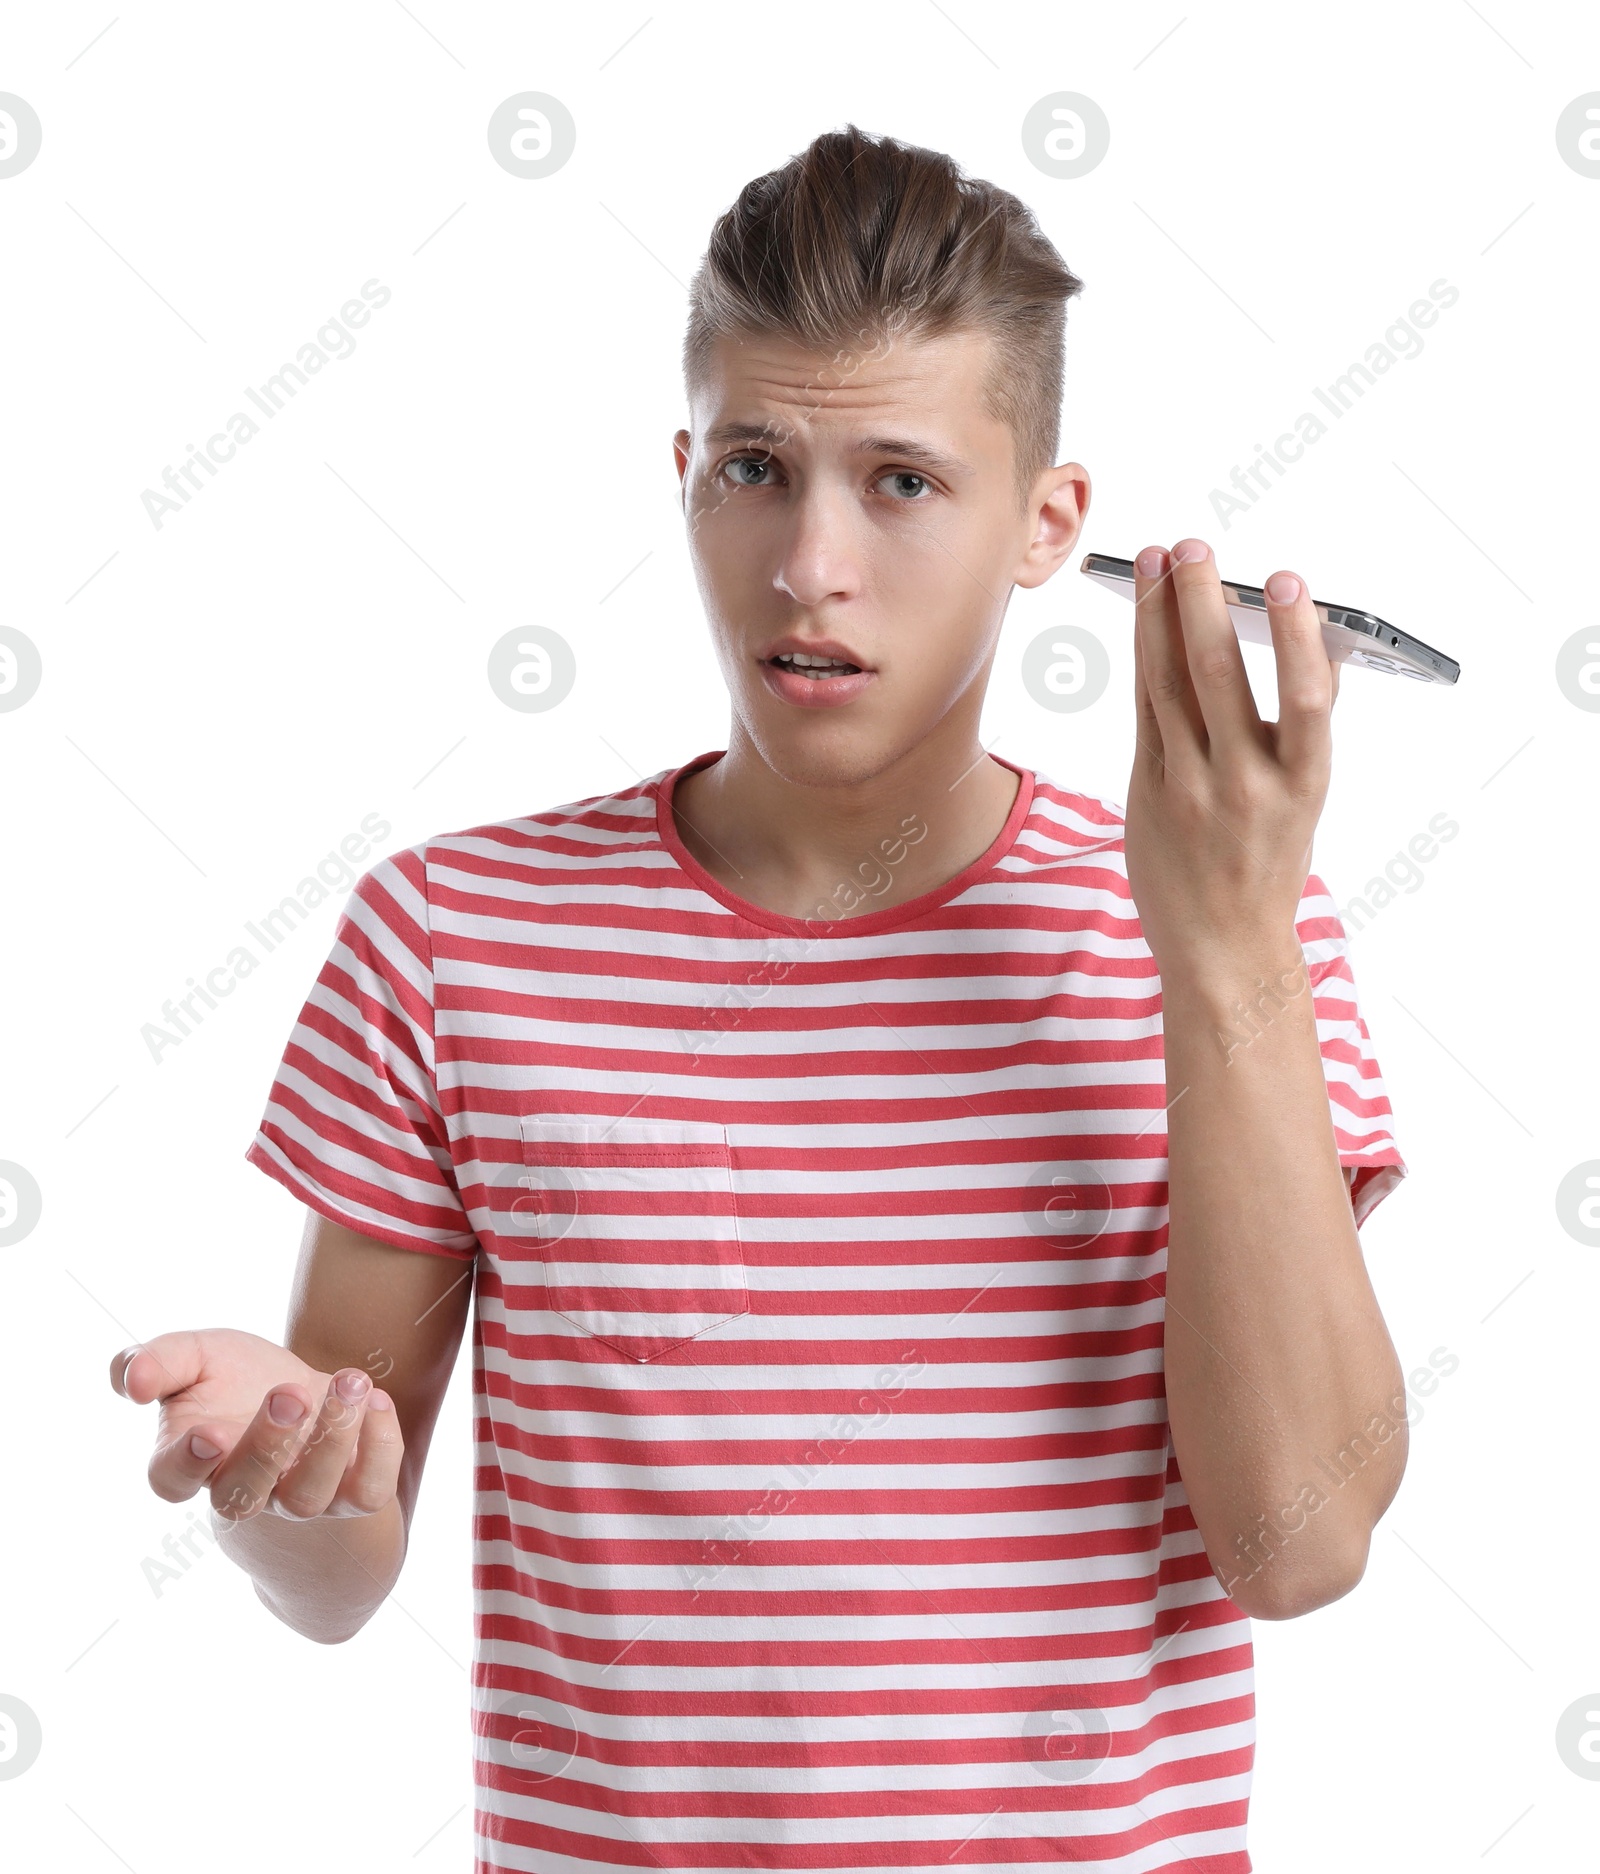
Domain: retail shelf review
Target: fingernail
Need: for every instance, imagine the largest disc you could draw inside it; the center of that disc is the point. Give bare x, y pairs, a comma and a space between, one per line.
203, 1447
380, 1402
1283, 588
285, 1409
1187, 550
1149, 563
352, 1385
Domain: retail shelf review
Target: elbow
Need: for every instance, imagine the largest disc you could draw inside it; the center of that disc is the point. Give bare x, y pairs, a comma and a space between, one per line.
1301, 1572
1287, 1594
323, 1633
334, 1633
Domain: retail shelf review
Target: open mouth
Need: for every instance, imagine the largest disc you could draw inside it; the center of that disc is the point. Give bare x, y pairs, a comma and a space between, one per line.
814, 668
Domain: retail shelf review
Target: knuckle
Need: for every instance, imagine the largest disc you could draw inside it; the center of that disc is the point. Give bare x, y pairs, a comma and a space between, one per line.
1240, 798
236, 1504
261, 1464
381, 1427
297, 1506
368, 1495
1220, 668
169, 1489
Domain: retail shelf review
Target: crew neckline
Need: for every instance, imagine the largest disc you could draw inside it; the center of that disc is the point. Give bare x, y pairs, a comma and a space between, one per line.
662, 790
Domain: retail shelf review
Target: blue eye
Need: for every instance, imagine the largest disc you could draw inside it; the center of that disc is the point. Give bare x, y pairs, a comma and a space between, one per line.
759, 463
906, 475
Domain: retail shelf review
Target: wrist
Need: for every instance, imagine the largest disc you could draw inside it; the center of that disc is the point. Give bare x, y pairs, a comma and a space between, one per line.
1224, 970
1228, 999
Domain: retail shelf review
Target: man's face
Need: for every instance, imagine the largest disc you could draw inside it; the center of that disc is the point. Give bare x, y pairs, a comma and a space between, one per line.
861, 507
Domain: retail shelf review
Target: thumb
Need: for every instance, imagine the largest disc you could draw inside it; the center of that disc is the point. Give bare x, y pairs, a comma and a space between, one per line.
152, 1369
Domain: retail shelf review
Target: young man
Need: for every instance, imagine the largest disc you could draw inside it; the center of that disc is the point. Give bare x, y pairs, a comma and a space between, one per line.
862, 1481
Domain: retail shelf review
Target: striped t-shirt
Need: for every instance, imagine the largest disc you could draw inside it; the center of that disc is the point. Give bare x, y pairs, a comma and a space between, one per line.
826, 1511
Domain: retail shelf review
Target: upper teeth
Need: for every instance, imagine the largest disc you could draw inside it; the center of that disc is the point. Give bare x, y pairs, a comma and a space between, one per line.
799, 657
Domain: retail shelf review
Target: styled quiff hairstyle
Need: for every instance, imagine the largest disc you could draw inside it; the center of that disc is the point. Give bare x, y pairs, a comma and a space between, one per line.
860, 240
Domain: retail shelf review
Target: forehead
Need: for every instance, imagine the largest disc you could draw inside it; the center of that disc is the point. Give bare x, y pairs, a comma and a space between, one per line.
931, 388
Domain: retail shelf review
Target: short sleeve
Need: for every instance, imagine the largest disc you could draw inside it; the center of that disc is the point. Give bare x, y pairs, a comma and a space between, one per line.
1362, 1120
353, 1125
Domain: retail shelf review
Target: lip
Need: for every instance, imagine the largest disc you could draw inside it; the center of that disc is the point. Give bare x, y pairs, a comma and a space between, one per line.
815, 647
815, 692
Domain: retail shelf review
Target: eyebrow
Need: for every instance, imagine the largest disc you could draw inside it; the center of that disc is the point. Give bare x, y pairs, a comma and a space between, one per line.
906, 448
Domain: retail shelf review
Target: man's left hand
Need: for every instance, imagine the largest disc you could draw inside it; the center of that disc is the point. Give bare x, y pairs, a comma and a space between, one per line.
1222, 806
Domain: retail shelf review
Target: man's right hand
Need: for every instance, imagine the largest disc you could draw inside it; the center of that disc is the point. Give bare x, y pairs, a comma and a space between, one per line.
260, 1429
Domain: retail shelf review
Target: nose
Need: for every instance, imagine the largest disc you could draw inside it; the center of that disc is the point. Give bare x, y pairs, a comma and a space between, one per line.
821, 557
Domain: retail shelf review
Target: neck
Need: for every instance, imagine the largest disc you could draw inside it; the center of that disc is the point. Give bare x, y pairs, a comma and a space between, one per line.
843, 850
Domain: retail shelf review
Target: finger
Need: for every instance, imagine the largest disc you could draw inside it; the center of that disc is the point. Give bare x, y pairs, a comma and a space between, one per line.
1159, 634
185, 1462
1306, 681
311, 1481
374, 1475
1147, 725
153, 1369
1211, 648
244, 1480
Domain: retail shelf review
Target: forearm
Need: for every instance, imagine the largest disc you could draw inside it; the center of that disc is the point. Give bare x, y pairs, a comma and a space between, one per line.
325, 1577
1277, 1355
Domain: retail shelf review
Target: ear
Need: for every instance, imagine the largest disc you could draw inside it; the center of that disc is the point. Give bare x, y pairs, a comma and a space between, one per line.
1056, 508
682, 444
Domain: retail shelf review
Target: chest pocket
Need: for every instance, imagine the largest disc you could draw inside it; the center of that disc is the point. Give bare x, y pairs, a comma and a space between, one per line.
635, 1223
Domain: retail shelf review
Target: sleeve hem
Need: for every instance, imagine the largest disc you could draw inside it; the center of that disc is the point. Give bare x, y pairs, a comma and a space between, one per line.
1373, 1181
318, 1200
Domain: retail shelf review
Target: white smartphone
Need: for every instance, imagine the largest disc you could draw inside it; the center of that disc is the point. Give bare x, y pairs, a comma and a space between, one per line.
1351, 637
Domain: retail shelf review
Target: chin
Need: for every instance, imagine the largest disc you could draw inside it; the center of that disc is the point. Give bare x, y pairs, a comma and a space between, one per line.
827, 754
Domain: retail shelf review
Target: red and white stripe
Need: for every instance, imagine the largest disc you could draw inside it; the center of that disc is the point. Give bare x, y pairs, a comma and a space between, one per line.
826, 1513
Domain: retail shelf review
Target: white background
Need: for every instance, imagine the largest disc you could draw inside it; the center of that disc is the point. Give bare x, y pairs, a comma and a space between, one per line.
224, 699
